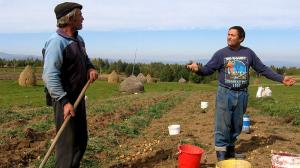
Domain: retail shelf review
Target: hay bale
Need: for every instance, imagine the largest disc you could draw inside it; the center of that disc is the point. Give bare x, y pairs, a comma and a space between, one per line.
141, 78
257, 82
131, 85
149, 79
113, 77
182, 80
27, 77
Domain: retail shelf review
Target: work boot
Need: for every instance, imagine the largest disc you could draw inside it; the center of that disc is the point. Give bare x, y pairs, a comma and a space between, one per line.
230, 153
221, 155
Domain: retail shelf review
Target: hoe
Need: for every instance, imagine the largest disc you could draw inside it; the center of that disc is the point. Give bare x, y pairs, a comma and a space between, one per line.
63, 126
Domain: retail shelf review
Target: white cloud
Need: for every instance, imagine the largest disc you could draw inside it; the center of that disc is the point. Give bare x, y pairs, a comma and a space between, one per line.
102, 15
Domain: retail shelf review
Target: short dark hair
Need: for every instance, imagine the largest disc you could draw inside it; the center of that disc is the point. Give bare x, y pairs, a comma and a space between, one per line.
241, 31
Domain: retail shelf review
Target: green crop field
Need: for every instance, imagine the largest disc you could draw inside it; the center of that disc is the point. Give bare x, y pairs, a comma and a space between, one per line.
134, 112
285, 100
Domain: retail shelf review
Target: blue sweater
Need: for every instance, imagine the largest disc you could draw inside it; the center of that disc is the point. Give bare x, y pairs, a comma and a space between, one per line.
233, 67
65, 66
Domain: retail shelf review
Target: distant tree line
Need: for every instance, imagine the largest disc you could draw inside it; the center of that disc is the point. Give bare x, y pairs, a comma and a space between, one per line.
158, 70
161, 71
21, 62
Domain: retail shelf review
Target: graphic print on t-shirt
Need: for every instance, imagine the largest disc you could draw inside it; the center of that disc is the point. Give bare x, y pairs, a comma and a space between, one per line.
236, 71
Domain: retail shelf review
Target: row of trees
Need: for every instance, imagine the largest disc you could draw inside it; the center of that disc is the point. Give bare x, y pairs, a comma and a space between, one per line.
158, 70
21, 62
163, 72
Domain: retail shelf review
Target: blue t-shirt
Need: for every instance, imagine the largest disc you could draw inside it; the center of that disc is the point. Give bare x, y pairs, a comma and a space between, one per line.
233, 67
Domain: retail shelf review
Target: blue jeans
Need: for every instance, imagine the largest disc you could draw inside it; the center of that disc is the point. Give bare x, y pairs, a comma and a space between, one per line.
230, 107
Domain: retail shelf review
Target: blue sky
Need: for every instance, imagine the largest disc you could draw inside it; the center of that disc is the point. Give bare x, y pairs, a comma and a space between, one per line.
168, 30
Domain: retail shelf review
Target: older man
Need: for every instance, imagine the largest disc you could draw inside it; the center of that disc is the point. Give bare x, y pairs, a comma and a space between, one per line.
66, 70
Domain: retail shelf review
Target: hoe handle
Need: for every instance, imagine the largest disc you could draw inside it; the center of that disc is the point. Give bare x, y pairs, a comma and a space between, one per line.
63, 126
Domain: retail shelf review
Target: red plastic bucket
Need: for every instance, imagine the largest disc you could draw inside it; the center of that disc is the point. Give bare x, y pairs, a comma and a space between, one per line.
189, 156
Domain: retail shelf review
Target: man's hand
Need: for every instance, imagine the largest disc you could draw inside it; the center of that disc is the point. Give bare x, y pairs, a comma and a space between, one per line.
68, 109
288, 81
92, 75
193, 66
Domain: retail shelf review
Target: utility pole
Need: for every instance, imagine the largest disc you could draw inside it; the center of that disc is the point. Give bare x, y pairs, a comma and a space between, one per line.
134, 62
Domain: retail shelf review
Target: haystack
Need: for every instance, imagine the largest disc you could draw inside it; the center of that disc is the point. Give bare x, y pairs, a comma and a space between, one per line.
113, 77
182, 80
27, 77
141, 78
257, 82
149, 79
131, 85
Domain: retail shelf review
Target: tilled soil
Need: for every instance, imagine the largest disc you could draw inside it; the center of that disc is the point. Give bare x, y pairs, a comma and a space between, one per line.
158, 149
155, 147
19, 151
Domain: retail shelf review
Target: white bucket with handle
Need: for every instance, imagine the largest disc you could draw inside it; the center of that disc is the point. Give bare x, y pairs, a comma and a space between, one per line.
174, 129
204, 105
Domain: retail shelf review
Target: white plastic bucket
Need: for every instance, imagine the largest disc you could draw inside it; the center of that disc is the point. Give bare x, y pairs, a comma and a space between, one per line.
204, 105
174, 129
268, 92
285, 160
259, 92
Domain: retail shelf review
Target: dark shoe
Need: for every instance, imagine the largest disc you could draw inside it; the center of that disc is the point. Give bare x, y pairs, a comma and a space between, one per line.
230, 153
221, 155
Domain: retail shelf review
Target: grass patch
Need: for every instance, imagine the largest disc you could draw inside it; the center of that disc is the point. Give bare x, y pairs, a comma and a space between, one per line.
284, 101
8, 115
89, 163
175, 86
15, 132
44, 125
15, 95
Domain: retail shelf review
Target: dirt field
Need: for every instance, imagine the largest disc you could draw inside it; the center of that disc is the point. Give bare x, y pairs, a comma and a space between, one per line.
154, 147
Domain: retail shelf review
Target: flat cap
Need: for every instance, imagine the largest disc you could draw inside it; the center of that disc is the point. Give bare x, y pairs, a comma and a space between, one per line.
64, 8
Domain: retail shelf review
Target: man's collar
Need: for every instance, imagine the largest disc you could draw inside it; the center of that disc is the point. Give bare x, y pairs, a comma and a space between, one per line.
63, 34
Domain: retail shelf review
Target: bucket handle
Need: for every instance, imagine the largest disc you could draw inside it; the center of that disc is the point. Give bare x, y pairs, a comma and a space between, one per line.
179, 152
205, 155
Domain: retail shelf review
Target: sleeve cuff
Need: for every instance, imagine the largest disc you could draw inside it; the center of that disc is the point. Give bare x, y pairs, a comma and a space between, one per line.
64, 100
199, 72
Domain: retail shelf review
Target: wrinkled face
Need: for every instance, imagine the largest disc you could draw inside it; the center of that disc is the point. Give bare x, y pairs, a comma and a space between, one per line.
77, 20
233, 39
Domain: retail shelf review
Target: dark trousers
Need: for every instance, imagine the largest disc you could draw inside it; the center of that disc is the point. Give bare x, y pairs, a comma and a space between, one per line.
72, 143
